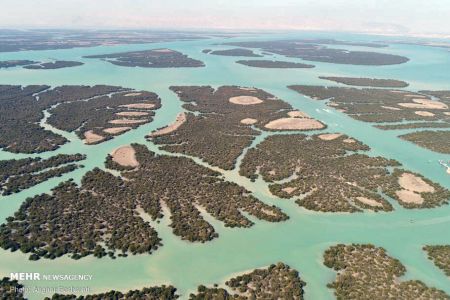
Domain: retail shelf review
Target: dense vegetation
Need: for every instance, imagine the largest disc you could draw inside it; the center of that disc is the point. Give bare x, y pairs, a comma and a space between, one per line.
382, 105
103, 215
17, 175
273, 64
152, 293
368, 272
80, 108
438, 141
214, 131
275, 282
330, 174
16, 63
440, 255
57, 64
314, 50
24, 40
372, 82
10, 289
235, 52
155, 58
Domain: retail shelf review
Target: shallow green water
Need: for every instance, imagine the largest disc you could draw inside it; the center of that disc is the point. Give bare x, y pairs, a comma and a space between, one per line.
298, 242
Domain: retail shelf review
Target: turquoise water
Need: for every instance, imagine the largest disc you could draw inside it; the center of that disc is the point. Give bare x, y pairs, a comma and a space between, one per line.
301, 240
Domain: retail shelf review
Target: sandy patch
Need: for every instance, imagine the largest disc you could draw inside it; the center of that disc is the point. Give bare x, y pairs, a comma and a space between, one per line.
116, 130
391, 108
132, 113
333, 104
289, 190
425, 104
180, 119
329, 136
294, 124
424, 113
245, 100
414, 96
125, 156
349, 141
163, 50
414, 183
248, 121
398, 92
142, 105
298, 114
369, 202
127, 121
247, 89
409, 197
132, 94
90, 137
447, 113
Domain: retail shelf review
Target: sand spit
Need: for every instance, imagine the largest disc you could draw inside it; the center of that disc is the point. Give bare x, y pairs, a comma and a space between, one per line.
91, 138
329, 136
132, 94
248, 121
116, 130
180, 119
424, 113
412, 186
414, 183
391, 108
369, 202
127, 121
125, 156
142, 105
425, 104
289, 189
349, 141
298, 114
163, 50
132, 113
409, 197
294, 124
245, 100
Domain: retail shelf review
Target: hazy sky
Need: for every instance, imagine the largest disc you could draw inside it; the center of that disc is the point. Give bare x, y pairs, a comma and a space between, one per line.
382, 16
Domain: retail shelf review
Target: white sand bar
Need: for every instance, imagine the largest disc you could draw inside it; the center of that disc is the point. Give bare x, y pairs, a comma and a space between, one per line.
298, 114
294, 124
414, 183
180, 119
90, 137
245, 100
409, 197
248, 121
128, 121
116, 130
125, 156
369, 202
425, 104
132, 113
142, 105
329, 136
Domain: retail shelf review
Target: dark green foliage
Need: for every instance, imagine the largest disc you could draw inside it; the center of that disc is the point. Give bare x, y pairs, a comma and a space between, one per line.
368, 272
235, 52
71, 107
440, 255
339, 177
275, 282
155, 58
372, 82
271, 64
438, 141
58, 64
17, 175
313, 50
215, 132
103, 215
10, 289
16, 63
